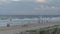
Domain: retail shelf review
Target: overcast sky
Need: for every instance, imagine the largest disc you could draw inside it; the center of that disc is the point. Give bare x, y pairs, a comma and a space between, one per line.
29, 7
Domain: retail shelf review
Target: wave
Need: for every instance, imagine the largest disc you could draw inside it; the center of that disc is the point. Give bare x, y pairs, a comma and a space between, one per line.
28, 20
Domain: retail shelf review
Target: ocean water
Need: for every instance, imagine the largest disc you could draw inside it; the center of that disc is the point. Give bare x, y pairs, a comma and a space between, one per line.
27, 20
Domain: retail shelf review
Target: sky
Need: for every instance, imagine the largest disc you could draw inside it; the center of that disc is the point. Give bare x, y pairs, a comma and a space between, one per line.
29, 7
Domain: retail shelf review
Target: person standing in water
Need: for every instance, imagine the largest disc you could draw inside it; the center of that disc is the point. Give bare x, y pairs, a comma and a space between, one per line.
8, 24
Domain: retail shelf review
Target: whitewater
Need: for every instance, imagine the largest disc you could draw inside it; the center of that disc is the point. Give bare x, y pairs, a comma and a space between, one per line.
17, 21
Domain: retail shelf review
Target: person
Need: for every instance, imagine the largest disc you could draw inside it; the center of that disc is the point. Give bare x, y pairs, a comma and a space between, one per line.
8, 25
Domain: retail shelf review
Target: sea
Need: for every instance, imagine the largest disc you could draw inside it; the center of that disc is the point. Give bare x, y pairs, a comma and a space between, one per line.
27, 19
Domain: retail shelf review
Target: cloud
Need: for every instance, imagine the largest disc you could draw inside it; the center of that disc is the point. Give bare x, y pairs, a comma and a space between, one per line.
15, 0
41, 1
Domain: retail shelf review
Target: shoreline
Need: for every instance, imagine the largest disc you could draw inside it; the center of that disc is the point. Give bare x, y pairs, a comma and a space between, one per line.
28, 25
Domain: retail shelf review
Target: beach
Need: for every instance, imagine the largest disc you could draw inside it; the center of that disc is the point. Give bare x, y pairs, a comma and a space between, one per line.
21, 28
